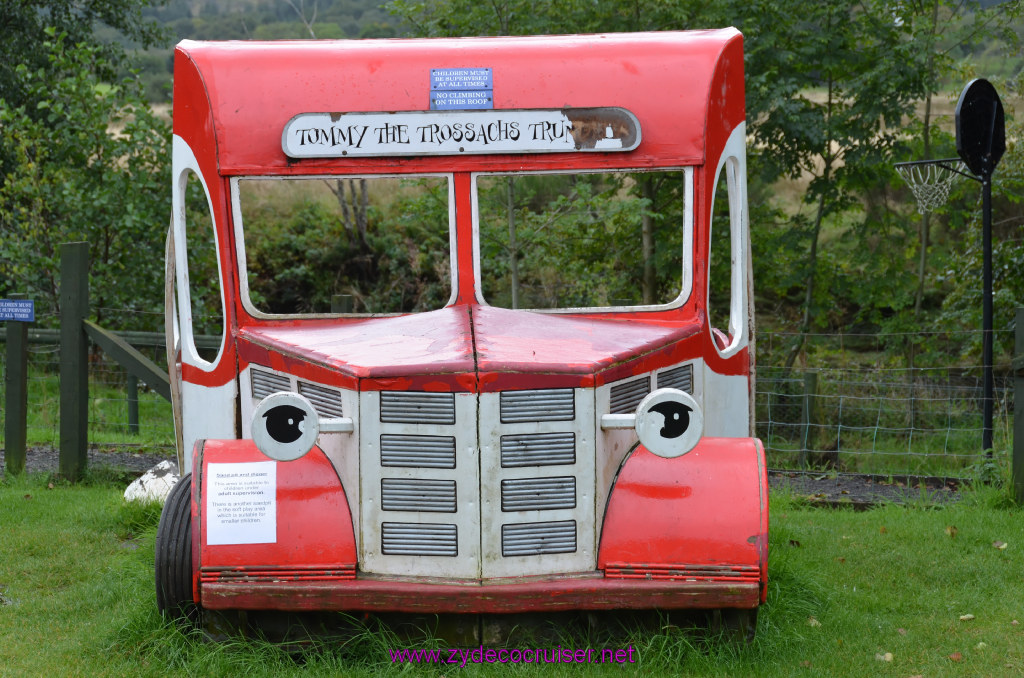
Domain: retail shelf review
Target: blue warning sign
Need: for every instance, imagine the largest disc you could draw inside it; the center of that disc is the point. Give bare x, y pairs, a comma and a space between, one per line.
461, 89
22, 310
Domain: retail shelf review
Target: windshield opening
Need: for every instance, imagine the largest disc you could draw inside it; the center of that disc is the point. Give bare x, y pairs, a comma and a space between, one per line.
583, 240
344, 245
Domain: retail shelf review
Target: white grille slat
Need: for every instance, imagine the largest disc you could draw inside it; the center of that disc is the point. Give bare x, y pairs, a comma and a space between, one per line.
529, 539
538, 494
412, 451
265, 383
678, 377
546, 405
419, 539
326, 401
538, 449
627, 395
402, 494
413, 407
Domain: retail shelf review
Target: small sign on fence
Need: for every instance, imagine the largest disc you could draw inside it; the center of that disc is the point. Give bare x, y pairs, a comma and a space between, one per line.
20, 310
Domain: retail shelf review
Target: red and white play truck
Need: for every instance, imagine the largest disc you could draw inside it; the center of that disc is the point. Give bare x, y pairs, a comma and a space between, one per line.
563, 421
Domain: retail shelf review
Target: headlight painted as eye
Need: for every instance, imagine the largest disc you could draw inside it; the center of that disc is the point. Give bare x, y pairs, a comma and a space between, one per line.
285, 426
669, 422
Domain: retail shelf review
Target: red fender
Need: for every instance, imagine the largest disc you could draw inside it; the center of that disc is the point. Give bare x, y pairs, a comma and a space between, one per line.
314, 538
702, 516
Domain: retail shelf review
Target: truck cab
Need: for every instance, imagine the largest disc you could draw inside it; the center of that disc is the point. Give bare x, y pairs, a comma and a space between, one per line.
484, 327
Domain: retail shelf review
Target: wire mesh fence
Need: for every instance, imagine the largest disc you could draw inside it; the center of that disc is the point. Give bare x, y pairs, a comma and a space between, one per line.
922, 420
834, 412
121, 412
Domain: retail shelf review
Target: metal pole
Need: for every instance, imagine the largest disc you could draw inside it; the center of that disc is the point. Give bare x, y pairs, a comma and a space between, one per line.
132, 390
988, 385
1018, 409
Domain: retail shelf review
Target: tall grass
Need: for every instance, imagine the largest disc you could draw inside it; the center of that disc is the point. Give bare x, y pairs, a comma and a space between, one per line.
845, 589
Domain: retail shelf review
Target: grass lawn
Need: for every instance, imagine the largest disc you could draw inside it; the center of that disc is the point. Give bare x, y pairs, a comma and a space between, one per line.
885, 592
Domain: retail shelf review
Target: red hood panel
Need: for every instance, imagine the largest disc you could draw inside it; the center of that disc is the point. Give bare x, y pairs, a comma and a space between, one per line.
434, 342
443, 342
520, 341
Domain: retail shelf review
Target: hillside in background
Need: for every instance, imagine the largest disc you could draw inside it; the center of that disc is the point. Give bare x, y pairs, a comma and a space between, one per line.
255, 20
340, 19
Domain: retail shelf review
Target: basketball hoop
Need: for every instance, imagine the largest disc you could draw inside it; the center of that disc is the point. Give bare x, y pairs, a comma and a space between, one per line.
980, 142
930, 180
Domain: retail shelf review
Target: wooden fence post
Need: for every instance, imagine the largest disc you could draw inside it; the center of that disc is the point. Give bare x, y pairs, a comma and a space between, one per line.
1018, 408
809, 419
74, 359
16, 383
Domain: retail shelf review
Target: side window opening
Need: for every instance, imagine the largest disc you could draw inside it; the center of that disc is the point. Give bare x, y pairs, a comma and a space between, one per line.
203, 271
725, 259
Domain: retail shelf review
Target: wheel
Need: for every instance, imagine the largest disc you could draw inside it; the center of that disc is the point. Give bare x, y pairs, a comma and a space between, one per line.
174, 554
737, 625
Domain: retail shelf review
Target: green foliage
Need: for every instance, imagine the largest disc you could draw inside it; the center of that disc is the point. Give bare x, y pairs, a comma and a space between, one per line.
88, 162
29, 24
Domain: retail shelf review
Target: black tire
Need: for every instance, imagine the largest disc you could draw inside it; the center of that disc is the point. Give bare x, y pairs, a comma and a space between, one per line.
739, 626
174, 554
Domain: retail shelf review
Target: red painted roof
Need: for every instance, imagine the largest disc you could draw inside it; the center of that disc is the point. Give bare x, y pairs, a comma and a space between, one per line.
254, 88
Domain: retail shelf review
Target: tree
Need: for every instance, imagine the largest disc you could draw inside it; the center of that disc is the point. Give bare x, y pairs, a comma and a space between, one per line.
88, 162
941, 30
27, 24
834, 82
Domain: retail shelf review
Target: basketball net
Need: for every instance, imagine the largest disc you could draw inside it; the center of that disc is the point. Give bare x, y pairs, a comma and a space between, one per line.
930, 182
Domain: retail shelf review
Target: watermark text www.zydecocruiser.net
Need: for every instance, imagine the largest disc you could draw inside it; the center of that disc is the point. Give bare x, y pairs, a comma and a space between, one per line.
482, 655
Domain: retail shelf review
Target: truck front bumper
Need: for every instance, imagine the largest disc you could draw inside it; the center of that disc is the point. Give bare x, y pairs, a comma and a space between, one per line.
587, 592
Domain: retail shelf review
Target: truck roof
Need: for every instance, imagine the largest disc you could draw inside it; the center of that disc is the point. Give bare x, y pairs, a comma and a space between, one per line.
233, 99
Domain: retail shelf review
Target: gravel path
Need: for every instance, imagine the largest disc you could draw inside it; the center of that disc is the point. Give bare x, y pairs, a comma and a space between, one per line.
46, 459
831, 489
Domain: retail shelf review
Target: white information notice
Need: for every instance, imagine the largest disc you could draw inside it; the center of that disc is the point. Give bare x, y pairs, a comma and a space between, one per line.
241, 503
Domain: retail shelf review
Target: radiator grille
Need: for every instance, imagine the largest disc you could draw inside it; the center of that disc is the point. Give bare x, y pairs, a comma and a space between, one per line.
418, 494
417, 451
538, 494
678, 377
532, 539
419, 539
627, 395
413, 407
538, 449
265, 383
546, 405
326, 401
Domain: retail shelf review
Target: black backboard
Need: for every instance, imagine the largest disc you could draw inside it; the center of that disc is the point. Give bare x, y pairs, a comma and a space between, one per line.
980, 127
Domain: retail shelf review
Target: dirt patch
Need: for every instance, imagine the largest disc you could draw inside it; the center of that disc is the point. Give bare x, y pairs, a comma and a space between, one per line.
865, 491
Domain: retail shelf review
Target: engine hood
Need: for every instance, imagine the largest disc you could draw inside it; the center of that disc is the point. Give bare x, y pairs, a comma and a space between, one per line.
476, 347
